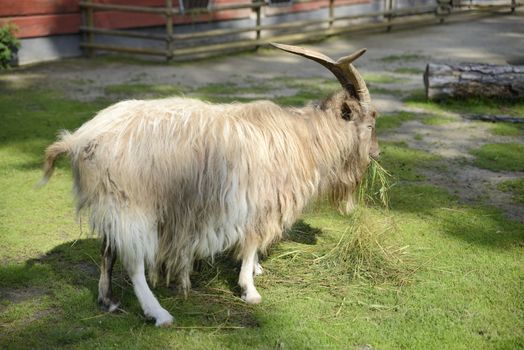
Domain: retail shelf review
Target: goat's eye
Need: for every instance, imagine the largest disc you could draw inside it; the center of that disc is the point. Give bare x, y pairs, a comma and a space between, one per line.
370, 127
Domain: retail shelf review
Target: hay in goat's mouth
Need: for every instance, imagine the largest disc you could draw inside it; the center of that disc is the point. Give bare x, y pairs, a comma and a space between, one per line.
374, 189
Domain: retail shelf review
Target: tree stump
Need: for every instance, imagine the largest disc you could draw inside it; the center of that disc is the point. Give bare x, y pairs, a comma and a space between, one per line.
473, 79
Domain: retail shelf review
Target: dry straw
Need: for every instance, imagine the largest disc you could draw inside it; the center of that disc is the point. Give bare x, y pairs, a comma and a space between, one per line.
366, 249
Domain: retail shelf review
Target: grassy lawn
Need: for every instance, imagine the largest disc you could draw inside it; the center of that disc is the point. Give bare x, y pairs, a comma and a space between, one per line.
500, 156
515, 187
456, 285
481, 106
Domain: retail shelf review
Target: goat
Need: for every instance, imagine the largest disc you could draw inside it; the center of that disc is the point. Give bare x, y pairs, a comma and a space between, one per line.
173, 180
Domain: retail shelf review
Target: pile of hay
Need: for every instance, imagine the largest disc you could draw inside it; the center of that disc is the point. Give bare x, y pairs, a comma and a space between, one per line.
367, 248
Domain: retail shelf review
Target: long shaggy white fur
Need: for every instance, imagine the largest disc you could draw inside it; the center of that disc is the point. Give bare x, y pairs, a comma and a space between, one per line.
173, 180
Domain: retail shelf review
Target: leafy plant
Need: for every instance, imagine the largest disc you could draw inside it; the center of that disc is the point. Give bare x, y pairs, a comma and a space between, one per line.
9, 44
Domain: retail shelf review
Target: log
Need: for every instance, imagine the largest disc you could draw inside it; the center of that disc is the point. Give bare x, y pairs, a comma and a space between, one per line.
494, 118
473, 79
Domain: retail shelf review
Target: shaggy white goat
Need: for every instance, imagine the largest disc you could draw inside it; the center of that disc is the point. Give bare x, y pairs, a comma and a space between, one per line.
173, 180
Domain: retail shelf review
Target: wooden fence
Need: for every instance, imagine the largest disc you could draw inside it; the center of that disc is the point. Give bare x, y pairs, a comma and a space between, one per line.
184, 45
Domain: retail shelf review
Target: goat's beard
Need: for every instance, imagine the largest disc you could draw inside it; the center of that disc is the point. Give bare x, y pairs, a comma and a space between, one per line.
345, 200
344, 193
343, 196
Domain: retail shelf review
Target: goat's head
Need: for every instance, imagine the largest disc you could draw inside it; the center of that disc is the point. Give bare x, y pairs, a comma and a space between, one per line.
354, 102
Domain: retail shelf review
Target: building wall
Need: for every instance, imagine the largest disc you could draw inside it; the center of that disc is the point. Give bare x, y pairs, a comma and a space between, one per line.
50, 29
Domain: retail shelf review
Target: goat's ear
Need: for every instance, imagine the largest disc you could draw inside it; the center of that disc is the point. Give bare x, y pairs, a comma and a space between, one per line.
346, 112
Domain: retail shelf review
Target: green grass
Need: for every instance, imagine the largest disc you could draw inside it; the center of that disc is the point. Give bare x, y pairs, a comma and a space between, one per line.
515, 187
500, 156
393, 120
464, 267
402, 162
287, 92
306, 90
437, 120
382, 79
384, 91
402, 58
409, 70
507, 129
144, 90
473, 106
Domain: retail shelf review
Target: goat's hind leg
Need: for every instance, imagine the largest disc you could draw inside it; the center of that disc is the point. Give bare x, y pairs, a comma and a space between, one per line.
105, 293
149, 303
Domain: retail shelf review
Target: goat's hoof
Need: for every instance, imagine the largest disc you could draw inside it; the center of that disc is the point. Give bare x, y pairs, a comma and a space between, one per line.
108, 305
252, 298
164, 320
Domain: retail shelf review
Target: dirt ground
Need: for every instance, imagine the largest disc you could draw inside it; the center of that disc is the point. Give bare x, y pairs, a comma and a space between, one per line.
496, 40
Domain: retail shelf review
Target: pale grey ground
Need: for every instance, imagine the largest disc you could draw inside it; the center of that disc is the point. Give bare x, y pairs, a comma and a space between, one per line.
496, 40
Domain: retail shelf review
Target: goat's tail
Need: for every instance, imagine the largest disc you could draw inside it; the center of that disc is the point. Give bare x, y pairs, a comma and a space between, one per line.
51, 154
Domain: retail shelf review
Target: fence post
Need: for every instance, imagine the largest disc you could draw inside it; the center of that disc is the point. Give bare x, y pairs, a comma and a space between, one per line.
331, 12
390, 15
169, 30
259, 21
89, 36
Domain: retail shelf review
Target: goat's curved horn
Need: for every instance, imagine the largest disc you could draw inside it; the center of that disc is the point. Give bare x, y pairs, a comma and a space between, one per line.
344, 71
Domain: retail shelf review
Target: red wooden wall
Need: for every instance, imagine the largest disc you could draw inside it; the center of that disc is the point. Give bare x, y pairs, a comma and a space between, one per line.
38, 18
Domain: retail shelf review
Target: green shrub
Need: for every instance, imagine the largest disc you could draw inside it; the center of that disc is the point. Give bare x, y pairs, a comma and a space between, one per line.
9, 44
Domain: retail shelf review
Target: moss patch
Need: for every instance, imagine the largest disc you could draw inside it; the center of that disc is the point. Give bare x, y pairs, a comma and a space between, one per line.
500, 156
515, 187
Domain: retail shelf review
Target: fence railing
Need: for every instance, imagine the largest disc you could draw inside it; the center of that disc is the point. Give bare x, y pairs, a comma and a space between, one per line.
212, 41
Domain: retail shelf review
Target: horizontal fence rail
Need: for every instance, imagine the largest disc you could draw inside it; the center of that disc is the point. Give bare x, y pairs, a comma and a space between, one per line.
213, 41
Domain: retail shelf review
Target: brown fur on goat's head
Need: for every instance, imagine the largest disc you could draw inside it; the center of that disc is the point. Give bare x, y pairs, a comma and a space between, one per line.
350, 110
353, 103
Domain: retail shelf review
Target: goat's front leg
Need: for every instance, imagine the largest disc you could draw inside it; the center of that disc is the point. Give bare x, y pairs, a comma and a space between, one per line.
245, 280
105, 293
149, 303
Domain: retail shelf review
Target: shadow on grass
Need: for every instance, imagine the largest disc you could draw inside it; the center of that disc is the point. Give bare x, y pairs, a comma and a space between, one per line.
302, 232
50, 301
481, 224
61, 289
